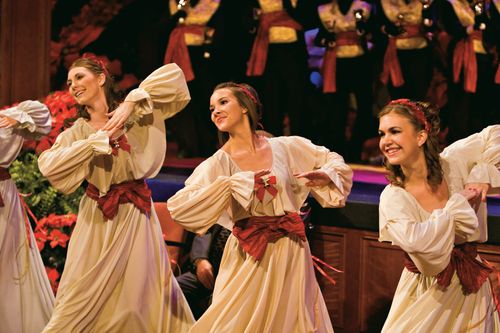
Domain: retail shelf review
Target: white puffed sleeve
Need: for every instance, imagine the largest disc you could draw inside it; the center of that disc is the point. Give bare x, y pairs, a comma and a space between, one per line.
305, 156
164, 90
428, 240
33, 117
66, 163
207, 195
476, 159
160, 96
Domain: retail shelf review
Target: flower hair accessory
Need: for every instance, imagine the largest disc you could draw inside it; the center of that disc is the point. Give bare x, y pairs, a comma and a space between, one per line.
248, 93
97, 60
416, 109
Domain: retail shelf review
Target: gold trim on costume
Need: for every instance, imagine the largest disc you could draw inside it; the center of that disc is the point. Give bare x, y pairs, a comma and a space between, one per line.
466, 15
405, 14
278, 35
197, 15
334, 21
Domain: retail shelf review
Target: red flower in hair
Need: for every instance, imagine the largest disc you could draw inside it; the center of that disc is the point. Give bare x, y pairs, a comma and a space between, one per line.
98, 60
416, 109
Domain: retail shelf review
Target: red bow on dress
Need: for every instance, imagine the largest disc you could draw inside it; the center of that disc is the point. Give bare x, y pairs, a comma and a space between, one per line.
119, 143
263, 184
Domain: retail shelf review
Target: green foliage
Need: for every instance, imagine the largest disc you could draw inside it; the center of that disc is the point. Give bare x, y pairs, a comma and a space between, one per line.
41, 197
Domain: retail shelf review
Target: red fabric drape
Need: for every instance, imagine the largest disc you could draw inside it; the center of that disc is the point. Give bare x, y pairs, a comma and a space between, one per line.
392, 68
177, 50
329, 67
256, 232
134, 191
258, 57
471, 272
4, 175
464, 56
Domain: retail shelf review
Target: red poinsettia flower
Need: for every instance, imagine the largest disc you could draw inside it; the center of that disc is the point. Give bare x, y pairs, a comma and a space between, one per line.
57, 237
41, 238
69, 220
53, 276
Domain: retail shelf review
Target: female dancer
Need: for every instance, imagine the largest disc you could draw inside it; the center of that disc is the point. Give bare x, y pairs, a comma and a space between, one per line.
266, 279
429, 211
28, 299
117, 276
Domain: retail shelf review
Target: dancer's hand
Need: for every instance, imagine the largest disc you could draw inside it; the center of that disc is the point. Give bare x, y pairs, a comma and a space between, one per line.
315, 178
472, 196
205, 273
119, 116
481, 189
114, 133
261, 173
7, 122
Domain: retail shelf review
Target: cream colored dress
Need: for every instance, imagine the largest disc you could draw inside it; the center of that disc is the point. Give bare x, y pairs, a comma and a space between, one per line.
429, 237
279, 293
117, 276
27, 299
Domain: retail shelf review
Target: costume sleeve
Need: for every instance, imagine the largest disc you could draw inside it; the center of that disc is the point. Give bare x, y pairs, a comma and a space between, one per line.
66, 163
207, 194
165, 90
477, 157
160, 96
307, 157
33, 117
428, 242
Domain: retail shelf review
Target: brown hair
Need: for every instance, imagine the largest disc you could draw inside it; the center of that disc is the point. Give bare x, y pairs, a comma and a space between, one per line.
248, 98
413, 110
113, 96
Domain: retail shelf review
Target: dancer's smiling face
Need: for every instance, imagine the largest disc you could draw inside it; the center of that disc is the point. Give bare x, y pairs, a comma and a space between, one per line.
85, 85
226, 111
400, 141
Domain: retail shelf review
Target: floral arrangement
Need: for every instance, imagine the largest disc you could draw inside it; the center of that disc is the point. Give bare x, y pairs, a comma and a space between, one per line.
52, 234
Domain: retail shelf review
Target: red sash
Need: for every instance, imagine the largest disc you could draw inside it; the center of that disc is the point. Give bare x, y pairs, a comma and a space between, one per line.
258, 57
177, 50
464, 56
256, 232
392, 68
471, 272
4, 175
329, 67
134, 191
